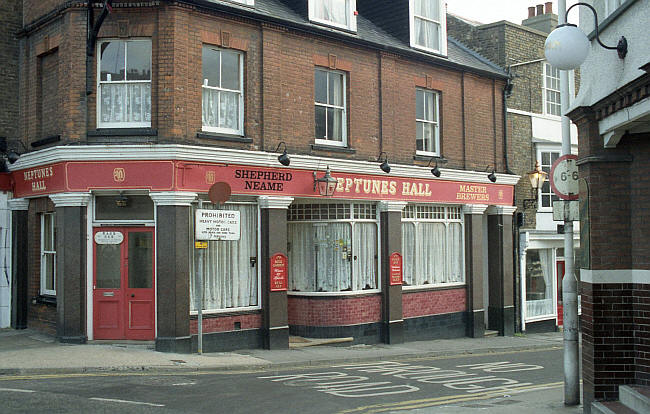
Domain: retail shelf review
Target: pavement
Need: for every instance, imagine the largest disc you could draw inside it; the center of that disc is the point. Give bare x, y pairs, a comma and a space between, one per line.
29, 352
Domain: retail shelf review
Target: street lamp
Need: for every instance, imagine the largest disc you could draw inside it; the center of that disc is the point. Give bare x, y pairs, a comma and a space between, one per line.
326, 184
567, 47
537, 178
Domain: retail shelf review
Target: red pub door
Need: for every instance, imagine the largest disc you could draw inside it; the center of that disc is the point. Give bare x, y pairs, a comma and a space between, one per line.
560, 276
123, 291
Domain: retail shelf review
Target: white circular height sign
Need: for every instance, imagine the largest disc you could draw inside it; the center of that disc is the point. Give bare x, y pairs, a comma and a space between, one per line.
564, 177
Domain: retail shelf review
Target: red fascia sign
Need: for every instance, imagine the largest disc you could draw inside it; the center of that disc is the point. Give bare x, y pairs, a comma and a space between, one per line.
395, 270
168, 175
279, 272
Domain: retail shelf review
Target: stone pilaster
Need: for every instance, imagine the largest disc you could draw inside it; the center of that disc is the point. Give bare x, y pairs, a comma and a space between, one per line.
391, 242
474, 242
71, 233
173, 211
273, 227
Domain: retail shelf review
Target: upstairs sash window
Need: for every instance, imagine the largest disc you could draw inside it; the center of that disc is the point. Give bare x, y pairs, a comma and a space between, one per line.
124, 87
223, 92
337, 13
428, 25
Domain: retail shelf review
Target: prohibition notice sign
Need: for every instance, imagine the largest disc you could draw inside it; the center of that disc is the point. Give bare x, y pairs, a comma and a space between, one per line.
564, 177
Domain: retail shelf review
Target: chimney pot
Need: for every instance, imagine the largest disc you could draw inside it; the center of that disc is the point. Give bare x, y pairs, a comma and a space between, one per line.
540, 9
549, 7
531, 12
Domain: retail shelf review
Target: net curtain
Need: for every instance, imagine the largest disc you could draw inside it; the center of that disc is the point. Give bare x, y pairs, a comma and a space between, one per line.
230, 281
332, 10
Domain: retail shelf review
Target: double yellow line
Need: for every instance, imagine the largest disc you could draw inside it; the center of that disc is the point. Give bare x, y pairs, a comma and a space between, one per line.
449, 399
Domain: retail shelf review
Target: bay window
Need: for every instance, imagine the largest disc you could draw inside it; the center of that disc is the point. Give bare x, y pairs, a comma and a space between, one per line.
428, 25
338, 13
330, 107
48, 255
432, 245
230, 279
223, 91
427, 136
332, 247
124, 84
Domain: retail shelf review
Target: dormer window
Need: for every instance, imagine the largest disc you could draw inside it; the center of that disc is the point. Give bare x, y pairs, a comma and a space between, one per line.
428, 25
337, 13
246, 2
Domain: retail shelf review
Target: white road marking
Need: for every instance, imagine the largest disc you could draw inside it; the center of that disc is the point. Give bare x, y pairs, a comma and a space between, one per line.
15, 390
185, 383
127, 401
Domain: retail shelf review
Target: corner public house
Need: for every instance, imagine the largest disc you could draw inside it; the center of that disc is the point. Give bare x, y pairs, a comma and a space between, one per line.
186, 94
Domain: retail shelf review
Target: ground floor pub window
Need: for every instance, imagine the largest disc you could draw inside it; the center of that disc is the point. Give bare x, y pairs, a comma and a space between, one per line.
230, 267
332, 247
539, 283
432, 245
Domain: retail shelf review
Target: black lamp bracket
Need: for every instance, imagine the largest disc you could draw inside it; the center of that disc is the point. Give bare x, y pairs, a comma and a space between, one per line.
621, 47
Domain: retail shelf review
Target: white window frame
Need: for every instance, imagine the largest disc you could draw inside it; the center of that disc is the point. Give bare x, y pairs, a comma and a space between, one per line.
443, 27
546, 149
435, 123
239, 131
547, 88
44, 290
611, 6
344, 121
446, 221
100, 123
350, 219
351, 7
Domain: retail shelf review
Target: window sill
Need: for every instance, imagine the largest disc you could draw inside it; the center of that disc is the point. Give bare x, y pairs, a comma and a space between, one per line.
223, 137
317, 147
123, 132
44, 300
425, 288
439, 158
335, 294
207, 314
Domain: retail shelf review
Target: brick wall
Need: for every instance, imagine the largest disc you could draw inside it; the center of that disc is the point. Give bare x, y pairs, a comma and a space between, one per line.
216, 323
279, 103
433, 302
324, 311
10, 20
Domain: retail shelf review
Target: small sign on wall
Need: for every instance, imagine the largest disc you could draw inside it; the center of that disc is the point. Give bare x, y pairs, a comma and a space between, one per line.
109, 237
395, 271
279, 272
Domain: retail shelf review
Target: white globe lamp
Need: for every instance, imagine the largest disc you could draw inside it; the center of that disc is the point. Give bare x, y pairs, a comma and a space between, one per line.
566, 47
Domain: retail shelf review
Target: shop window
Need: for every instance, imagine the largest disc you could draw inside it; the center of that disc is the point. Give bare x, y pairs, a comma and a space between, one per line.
539, 283
337, 13
427, 136
48, 254
428, 25
432, 245
223, 91
124, 95
332, 247
230, 280
552, 104
330, 107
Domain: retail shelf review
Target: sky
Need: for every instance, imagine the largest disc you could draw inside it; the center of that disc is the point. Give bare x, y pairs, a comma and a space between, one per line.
489, 11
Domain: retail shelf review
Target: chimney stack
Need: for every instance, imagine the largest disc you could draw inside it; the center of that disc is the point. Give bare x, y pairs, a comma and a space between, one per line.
531, 12
540, 9
549, 7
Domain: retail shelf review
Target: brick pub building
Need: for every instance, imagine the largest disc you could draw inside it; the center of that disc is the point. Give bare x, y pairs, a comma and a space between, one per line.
174, 97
